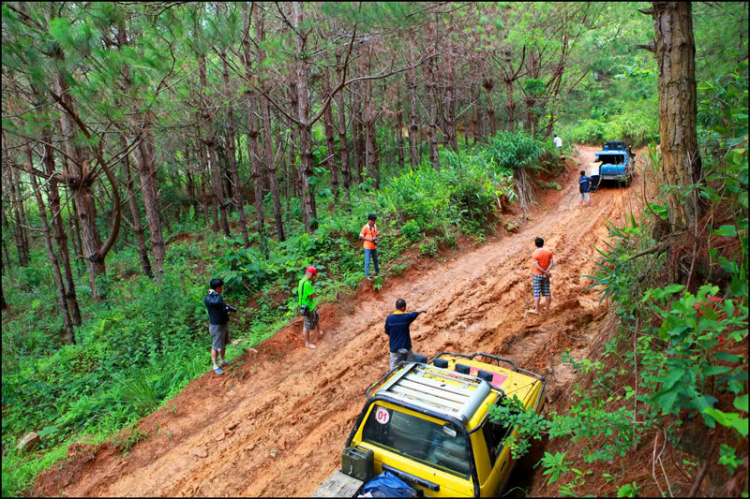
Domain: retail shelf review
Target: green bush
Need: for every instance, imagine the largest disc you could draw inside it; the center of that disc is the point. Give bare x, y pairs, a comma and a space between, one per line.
510, 151
588, 132
428, 248
411, 230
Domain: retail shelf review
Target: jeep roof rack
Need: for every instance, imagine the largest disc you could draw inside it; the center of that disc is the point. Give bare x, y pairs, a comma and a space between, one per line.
427, 386
615, 145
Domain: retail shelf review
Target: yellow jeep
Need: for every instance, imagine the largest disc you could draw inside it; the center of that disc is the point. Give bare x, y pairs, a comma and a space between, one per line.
428, 423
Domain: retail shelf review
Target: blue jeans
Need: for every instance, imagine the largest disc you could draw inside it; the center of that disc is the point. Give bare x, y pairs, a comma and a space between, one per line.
374, 255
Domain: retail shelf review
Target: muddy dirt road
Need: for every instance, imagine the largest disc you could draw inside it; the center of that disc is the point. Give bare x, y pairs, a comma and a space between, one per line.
276, 424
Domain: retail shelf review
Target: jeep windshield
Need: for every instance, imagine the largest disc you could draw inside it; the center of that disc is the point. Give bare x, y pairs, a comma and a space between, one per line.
420, 439
611, 158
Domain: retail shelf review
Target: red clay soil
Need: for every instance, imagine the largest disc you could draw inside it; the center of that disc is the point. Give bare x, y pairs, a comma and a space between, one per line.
276, 423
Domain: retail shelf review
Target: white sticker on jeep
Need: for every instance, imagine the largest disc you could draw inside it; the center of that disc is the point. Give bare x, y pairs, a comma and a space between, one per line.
382, 416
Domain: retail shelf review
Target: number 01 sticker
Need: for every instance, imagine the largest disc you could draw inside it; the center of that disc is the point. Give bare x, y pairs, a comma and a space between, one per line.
382, 416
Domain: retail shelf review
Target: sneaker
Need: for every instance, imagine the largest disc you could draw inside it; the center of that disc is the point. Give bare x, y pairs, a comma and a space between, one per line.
218, 370
225, 363
369, 277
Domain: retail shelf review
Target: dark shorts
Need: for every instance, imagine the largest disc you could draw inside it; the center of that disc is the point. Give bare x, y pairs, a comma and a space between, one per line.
311, 320
219, 335
541, 286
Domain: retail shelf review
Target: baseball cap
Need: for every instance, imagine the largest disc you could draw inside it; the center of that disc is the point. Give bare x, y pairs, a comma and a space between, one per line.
312, 270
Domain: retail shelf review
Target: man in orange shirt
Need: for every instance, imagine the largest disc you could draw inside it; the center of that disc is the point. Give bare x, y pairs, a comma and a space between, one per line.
542, 263
370, 235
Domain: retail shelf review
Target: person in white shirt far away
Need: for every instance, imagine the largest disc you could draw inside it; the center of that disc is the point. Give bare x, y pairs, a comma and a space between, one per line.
558, 144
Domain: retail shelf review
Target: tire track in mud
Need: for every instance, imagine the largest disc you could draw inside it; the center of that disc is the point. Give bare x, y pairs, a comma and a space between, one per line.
276, 424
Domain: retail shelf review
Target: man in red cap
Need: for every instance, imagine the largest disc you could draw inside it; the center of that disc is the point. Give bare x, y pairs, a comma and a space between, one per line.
306, 302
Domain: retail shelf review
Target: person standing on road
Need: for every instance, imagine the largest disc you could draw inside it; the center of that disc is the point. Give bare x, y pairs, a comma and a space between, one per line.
584, 186
397, 328
218, 323
558, 143
370, 235
307, 308
542, 262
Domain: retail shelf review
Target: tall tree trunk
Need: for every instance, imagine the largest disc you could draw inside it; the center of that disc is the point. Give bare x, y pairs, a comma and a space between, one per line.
192, 194
411, 82
295, 178
252, 138
70, 333
361, 135
346, 172
22, 249
432, 125
400, 135
357, 153
305, 129
6, 226
82, 193
271, 164
138, 229
147, 174
681, 161
509, 77
206, 192
210, 142
62, 239
450, 105
75, 227
330, 144
488, 86
510, 106
232, 154
533, 65
145, 157
371, 163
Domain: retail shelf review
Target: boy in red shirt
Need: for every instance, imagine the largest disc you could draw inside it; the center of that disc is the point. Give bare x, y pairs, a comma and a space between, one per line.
542, 263
370, 235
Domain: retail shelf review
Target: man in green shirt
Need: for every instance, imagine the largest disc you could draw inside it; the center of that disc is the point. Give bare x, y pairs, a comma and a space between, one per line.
306, 302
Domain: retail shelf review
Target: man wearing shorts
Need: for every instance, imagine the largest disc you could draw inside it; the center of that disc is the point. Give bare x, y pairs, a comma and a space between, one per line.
218, 323
542, 263
584, 186
397, 328
306, 302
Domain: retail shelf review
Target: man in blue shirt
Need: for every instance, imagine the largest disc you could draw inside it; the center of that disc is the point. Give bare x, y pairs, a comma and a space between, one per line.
584, 186
397, 328
218, 323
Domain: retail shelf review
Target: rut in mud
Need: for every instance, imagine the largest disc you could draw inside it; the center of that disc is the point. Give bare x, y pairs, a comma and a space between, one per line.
276, 424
